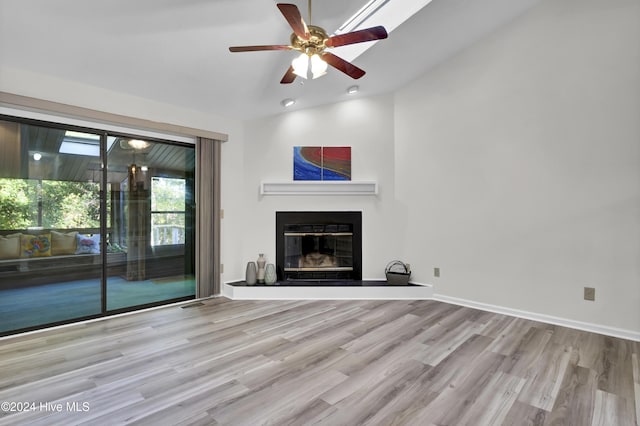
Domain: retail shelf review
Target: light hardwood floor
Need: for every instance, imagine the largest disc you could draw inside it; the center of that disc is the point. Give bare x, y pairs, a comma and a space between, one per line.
319, 362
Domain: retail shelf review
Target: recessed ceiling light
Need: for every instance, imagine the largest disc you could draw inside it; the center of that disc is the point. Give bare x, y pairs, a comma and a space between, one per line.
287, 102
353, 90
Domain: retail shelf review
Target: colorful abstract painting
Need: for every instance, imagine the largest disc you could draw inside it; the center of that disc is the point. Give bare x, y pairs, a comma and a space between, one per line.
321, 163
336, 163
307, 163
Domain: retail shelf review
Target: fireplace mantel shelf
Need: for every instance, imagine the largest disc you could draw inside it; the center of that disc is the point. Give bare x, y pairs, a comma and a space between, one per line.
319, 188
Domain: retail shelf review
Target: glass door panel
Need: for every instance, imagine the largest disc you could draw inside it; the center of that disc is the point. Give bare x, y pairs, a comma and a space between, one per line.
50, 239
151, 216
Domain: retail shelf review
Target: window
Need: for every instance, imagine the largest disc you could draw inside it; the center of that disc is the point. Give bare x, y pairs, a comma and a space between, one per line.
168, 198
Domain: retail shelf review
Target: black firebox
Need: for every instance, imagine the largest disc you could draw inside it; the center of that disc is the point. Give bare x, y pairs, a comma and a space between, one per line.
319, 246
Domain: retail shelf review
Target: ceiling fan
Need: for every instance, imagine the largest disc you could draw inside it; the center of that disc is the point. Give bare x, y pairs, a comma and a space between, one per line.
313, 41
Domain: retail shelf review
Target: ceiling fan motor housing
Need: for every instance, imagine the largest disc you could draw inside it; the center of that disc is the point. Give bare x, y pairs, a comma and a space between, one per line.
314, 45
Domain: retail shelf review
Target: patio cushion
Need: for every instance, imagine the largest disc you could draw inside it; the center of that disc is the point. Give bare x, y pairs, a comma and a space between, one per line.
35, 245
88, 244
10, 246
63, 243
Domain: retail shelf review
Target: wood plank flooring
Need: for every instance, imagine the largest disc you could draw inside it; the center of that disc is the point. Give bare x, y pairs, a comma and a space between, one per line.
223, 362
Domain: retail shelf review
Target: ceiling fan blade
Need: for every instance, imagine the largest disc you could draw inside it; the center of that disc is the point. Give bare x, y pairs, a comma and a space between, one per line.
294, 18
368, 34
289, 76
258, 48
342, 65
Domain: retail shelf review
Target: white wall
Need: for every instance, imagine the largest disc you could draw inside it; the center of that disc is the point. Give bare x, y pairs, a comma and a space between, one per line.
55, 89
233, 206
518, 162
364, 124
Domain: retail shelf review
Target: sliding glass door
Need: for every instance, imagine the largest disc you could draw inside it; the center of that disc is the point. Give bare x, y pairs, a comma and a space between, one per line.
151, 211
50, 253
80, 241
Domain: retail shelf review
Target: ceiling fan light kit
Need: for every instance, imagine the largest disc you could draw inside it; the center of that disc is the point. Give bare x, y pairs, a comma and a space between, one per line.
312, 41
318, 66
303, 63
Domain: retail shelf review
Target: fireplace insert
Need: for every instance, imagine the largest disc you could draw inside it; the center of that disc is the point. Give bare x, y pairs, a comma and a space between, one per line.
313, 246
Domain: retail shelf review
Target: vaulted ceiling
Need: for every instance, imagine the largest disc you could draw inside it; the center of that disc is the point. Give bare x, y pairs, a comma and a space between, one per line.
176, 51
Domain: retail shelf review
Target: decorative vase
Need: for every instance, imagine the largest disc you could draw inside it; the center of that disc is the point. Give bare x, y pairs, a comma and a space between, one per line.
270, 276
261, 262
251, 276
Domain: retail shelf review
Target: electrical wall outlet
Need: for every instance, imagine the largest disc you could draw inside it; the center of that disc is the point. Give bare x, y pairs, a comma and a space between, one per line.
436, 272
222, 268
589, 293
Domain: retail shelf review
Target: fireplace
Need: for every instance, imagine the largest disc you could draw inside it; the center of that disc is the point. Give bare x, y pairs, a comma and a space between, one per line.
319, 246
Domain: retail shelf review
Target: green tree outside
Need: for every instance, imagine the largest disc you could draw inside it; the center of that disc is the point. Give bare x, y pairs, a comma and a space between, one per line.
65, 205
16, 199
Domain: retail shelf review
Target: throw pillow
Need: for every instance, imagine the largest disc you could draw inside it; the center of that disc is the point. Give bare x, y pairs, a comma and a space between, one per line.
63, 243
10, 246
35, 245
88, 244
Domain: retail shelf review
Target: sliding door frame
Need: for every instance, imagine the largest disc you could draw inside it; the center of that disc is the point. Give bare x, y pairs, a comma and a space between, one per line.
49, 119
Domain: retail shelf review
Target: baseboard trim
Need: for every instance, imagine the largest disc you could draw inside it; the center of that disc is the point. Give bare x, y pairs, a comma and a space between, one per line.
565, 322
